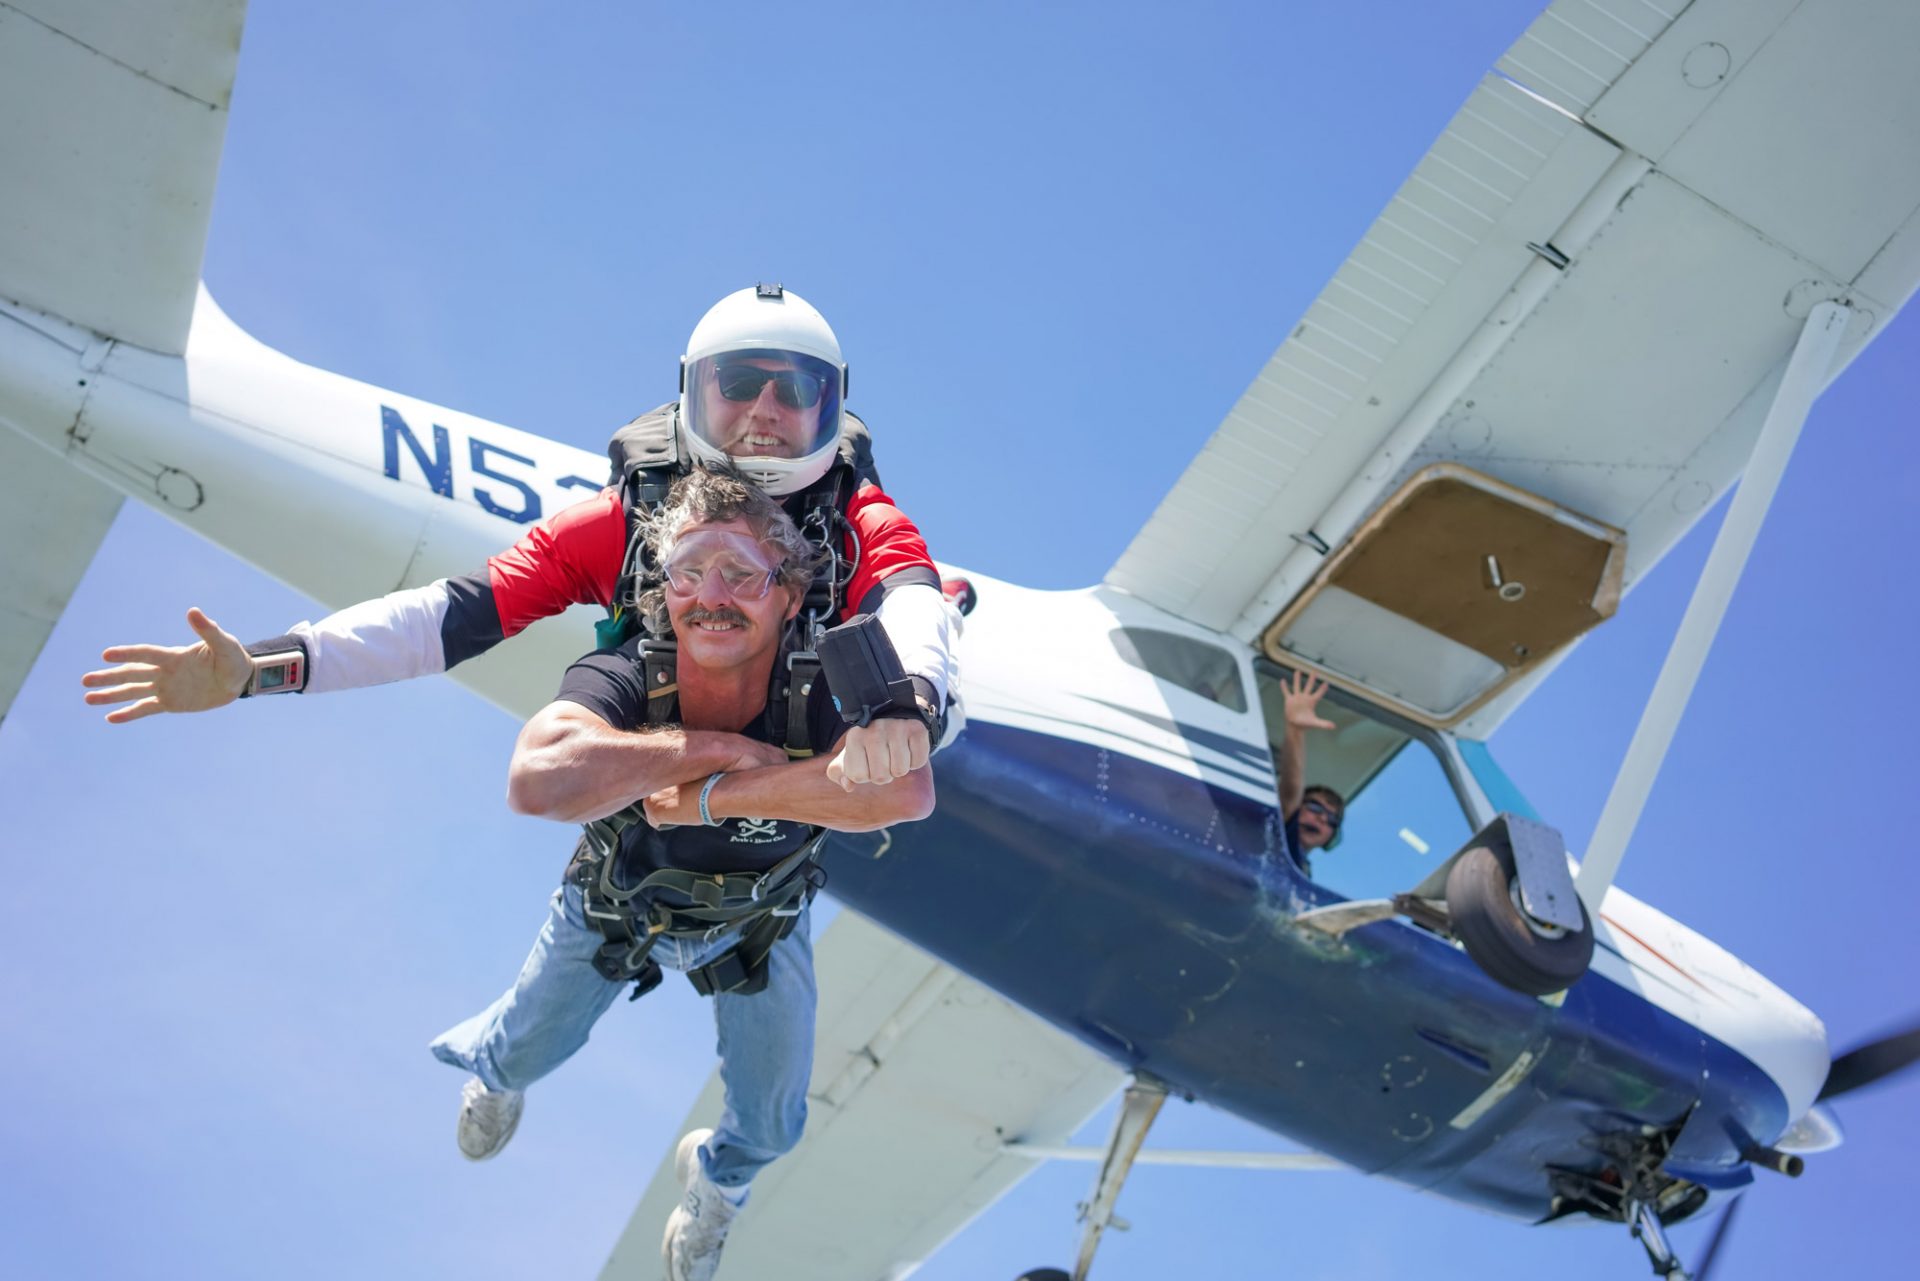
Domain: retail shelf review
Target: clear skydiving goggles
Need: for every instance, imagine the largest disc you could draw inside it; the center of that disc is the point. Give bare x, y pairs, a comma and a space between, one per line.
805, 401
745, 568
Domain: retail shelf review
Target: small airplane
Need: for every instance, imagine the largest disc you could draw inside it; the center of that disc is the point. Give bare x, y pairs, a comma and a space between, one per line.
1478, 507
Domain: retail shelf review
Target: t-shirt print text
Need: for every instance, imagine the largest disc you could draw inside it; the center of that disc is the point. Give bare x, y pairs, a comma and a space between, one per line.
756, 831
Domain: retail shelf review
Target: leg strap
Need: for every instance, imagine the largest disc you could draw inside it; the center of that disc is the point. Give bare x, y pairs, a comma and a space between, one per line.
743, 969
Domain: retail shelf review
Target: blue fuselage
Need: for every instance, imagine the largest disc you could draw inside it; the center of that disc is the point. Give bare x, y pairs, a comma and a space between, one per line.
1149, 914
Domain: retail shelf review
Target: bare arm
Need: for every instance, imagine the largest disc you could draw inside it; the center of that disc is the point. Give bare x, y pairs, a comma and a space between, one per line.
799, 792
1302, 706
1293, 772
571, 766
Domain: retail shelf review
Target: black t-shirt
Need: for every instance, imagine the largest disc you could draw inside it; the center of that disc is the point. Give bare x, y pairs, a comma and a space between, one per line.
612, 685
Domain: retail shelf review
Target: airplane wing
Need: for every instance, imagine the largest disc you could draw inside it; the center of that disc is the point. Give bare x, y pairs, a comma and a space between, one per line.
1585, 291
104, 223
105, 219
919, 1075
58, 515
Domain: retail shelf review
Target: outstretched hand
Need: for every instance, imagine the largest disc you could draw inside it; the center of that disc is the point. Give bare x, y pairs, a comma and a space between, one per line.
171, 678
1303, 702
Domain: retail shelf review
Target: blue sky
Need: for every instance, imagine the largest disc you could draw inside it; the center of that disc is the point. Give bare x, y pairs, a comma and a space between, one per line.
1056, 243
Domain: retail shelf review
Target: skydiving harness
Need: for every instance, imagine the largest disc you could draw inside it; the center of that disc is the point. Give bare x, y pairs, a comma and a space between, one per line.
677, 903
682, 904
674, 902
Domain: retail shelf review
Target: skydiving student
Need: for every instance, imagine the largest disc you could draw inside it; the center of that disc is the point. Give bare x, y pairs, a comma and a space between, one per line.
694, 791
762, 387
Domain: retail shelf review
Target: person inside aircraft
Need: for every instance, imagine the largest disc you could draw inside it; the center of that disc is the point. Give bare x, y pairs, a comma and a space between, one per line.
762, 387
1312, 814
699, 807
1315, 824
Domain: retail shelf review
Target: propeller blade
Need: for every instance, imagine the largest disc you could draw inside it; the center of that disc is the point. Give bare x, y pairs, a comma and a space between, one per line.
1704, 1271
1866, 1064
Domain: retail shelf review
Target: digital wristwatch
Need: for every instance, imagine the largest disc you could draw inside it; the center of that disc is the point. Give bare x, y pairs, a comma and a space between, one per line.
279, 667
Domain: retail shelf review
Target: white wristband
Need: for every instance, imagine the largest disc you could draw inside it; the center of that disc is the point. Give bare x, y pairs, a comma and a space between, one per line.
706, 791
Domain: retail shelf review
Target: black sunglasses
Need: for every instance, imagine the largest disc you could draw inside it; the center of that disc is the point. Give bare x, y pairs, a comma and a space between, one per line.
794, 388
1333, 819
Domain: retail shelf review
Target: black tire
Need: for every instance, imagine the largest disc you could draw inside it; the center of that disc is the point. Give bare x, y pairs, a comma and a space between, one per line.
1513, 952
1043, 1274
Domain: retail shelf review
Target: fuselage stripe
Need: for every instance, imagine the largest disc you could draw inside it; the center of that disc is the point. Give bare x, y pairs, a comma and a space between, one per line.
1660, 956
1265, 782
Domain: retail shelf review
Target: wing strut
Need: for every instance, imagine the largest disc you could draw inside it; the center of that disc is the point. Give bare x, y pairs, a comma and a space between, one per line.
1805, 375
1138, 1106
1184, 1157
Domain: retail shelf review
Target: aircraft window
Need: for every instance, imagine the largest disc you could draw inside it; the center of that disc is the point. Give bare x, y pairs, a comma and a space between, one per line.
1404, 823
1402, 818
1195, 666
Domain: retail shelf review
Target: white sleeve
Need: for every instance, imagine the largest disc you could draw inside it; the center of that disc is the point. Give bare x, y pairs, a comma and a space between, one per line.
377, 641
924, 627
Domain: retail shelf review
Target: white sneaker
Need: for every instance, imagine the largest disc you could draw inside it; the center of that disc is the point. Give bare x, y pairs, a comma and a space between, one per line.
488, 1118
697, 1228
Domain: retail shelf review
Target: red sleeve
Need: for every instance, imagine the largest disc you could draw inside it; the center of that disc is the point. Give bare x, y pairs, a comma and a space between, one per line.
571, 558
889, 542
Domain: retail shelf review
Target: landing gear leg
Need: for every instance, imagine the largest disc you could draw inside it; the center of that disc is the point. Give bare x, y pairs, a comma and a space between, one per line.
1645, 1221
1138, 1106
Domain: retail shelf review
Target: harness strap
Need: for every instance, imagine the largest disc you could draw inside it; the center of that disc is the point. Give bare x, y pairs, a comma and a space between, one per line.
744, 969
803, 669
624, 954
823, 517
659, 669
723, 891
632, 919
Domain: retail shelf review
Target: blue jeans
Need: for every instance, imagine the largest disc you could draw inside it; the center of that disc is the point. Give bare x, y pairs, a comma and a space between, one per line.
766, 1040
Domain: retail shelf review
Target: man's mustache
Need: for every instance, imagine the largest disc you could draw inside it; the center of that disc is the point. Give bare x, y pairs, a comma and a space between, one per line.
698, 615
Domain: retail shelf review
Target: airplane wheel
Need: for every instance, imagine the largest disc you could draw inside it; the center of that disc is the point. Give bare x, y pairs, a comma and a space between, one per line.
1483, 896
1043, 1274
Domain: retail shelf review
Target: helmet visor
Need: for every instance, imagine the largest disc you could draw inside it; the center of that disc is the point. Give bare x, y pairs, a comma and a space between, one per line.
764, 403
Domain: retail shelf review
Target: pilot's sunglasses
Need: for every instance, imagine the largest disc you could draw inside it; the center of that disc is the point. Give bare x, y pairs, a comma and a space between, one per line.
1333, 819
794, 388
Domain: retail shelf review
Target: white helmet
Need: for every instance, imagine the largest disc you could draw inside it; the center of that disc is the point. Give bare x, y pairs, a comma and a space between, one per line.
761, 385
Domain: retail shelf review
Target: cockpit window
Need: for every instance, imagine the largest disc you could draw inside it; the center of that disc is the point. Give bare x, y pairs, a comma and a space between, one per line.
1402, 816
1195, 666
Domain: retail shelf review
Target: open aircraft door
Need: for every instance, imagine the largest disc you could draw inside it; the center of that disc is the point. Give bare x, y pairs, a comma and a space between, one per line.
1454, 588
1457, 586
